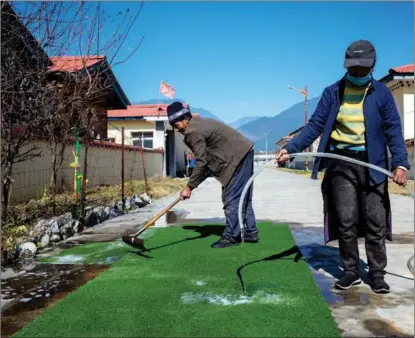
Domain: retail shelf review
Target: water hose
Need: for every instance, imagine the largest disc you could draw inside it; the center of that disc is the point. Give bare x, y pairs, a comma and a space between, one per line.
314, 154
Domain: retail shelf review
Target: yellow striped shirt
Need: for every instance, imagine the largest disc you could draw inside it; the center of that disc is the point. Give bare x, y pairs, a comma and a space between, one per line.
349, 129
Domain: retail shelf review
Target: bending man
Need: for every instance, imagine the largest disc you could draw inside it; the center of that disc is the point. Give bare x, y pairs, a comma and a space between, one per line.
356, 117
225, 154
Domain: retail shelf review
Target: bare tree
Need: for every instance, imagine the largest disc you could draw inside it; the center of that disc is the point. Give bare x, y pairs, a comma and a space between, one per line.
44, 95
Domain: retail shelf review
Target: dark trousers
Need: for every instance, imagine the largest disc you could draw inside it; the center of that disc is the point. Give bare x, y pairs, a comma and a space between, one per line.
357, 204
231, 195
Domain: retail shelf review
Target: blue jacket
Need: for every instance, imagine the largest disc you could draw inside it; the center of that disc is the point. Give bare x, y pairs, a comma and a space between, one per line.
382, 124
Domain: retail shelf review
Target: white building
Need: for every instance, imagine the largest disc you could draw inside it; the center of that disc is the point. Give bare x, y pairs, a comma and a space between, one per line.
148, 125
400, 81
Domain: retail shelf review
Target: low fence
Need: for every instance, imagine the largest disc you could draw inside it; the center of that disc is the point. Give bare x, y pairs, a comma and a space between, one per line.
32, 177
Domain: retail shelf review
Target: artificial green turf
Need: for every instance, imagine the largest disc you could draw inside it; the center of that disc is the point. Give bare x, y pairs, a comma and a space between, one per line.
142, 297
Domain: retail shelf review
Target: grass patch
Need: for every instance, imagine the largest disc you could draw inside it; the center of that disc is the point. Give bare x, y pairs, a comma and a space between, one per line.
393, 187
184, 288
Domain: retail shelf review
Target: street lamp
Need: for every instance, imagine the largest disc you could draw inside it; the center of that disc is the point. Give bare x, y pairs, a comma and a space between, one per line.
303, 92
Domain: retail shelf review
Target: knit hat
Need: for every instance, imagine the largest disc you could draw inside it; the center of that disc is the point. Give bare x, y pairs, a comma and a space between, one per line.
177, 112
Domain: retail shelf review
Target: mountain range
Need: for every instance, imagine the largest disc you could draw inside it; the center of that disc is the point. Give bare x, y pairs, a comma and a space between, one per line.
259, 129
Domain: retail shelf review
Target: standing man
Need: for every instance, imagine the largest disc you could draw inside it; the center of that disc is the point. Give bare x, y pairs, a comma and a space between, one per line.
191, 162
356, 117
225, 154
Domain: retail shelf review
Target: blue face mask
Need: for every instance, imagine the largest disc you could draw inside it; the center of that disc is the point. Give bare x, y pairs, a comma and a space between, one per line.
359, 81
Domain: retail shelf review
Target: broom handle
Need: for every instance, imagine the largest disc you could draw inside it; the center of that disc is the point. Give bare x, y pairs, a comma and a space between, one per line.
157, 216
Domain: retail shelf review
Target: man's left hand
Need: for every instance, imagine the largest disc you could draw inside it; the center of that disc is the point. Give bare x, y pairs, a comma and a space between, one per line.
186, 193
399, 176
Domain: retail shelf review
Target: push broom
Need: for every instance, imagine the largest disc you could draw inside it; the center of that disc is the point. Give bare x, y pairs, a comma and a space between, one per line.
138, 243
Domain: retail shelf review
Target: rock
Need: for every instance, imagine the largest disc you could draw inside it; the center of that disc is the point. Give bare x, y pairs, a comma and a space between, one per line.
64, 219
44, 241
67, 230
103, 213
91, 218
27, 249
76, 226
138, 201
107, 213
118, 205
127, 203
115, 212
49, 227
145, 198
55, 238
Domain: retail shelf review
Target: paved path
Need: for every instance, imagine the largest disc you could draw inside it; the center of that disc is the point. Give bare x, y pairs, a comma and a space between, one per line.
296, 200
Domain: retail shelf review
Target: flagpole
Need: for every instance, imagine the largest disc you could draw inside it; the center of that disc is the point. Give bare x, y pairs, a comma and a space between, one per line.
158, 99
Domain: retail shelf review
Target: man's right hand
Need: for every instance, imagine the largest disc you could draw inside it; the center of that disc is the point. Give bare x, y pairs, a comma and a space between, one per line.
282, 156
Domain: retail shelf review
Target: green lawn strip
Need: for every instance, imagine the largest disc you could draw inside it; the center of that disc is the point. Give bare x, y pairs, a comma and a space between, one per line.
189, 289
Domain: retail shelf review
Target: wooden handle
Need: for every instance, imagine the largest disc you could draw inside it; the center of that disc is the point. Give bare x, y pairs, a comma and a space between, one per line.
157, 216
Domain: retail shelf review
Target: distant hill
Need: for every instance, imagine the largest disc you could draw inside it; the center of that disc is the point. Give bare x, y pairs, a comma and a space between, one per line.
240, 122
203, 112
277, 126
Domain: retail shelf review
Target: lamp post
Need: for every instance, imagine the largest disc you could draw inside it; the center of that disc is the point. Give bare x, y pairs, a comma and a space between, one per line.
304, 92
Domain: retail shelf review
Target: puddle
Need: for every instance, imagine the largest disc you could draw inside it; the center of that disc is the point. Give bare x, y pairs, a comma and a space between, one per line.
404, 238
171, 217
229, 300
379, 327
90, 253
36, 290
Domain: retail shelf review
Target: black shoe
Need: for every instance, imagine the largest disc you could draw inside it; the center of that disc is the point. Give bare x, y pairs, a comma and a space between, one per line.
223, 243
379, 285
346, 282
251, 238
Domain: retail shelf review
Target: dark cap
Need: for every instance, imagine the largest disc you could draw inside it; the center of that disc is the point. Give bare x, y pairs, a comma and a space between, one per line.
360, 53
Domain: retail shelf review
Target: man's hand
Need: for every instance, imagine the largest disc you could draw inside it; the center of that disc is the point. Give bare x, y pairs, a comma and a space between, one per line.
282, 156
399, 176
186, 193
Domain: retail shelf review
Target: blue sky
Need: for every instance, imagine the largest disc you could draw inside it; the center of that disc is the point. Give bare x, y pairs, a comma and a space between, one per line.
235, 58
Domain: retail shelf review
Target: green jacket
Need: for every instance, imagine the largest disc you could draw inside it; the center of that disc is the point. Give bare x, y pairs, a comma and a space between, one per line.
218, 150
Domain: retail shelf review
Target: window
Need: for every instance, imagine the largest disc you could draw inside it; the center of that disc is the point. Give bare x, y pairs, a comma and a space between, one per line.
138, 137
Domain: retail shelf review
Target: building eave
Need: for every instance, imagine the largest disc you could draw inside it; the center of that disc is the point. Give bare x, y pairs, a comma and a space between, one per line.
396, 76
126, 118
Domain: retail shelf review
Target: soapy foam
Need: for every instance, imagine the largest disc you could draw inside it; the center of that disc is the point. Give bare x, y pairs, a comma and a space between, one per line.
199, 282
228, 300
68, 259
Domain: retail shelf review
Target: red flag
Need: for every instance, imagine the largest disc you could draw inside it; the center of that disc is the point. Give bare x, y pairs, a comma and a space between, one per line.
166, 90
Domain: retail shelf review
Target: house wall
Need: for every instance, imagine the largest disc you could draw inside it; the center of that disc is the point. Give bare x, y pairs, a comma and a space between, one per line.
404, 100
114, 130
411, 160
177, 159
32, 177
408, 113
180, 154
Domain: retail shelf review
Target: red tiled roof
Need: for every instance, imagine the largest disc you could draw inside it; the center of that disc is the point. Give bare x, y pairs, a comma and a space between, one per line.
142, 110
74, 63
403, 69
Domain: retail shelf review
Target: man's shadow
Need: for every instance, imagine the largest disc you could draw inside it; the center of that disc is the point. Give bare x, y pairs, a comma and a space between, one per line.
203, 230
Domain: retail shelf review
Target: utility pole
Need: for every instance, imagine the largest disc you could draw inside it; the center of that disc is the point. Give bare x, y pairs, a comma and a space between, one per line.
266, 145
304, 92
306, 121
122, 167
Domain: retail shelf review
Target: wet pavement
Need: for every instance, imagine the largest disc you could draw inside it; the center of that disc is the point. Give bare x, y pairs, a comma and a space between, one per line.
27, 291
